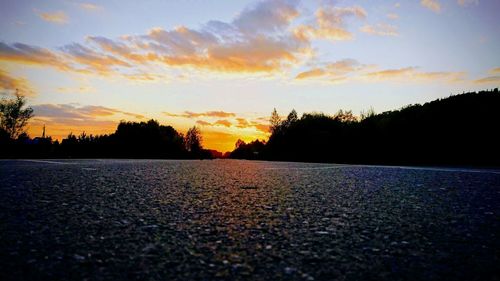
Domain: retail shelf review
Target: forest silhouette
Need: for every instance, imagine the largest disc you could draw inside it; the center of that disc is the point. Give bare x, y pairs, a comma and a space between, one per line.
458, 130
130, 140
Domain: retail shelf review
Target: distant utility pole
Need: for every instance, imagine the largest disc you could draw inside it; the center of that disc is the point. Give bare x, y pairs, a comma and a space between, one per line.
43, 132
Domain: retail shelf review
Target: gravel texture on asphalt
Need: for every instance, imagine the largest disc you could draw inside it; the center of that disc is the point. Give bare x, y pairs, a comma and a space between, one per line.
245, 220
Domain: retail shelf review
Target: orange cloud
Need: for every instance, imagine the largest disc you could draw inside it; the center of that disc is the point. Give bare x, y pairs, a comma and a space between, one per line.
331, 22
58, 17
146, 77
80, 89
89, 6
412, 74
9, 84
32, 55
335, 72
264, 128
189, 114
203, 123
242, 123
432, 5
223, 122
68, 113
495, 70
316, 72
488, 80
257, 40
349, 70
380, 29
256, 54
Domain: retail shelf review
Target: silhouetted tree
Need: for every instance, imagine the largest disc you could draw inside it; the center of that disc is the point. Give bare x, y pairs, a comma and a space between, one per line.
345, 116
290, 119
251, 150
275, 121
369, 113
239, 143
193, 140
13, 116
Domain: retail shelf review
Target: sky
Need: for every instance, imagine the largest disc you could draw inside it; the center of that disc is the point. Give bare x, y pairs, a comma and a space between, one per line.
223, 66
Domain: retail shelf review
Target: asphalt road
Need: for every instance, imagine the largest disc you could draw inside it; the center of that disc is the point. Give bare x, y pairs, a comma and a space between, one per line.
244, 220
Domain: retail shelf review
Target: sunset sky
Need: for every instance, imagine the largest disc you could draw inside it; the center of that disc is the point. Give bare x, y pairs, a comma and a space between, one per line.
223, 65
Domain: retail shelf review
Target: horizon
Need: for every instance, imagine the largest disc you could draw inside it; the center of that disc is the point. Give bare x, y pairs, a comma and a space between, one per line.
84, 66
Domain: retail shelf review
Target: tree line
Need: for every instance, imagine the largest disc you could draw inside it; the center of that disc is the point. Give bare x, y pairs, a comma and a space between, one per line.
458, 130
130, 140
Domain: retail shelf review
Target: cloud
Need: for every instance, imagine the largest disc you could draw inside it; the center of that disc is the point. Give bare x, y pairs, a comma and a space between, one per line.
258, 40
351, 70
203, 123
392, 16
91, 59
9, 85
495, 70
80, 89
330, 23
183, 47
316, 72
335, 72
58, 17
146, 77
223, 122
488, 80
264, 128
230, 120
189, 114
69, 112
267, 16
242, 123
432, 5
89, 6
380, 29
32, 55
465, 3
71, 58
412, 74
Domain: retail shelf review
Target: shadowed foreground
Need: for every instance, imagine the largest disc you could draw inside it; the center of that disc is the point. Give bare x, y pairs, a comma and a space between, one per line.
229, 219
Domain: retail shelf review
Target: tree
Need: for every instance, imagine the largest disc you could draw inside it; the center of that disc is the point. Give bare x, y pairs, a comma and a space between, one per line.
291, 118
13, 117
239, 143
370, 113
275, 121
345, 116
193, 140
